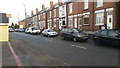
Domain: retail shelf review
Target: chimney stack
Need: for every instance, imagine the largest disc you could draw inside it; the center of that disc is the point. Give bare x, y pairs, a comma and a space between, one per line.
51, 4
43, 6
36, 10
59, 1
32, 13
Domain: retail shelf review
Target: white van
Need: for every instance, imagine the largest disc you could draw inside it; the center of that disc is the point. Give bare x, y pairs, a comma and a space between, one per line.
33, 30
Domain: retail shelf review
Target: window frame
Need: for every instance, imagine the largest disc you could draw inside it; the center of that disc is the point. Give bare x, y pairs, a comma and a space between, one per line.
99, 21
54, 12
86, 4
86, 16
100, 3
70, 21
70, 8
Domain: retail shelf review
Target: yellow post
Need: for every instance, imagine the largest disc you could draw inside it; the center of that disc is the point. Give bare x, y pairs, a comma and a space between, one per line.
4, 34
4, 20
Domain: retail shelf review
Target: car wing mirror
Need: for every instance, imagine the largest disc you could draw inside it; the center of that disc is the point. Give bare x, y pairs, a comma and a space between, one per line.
117, 36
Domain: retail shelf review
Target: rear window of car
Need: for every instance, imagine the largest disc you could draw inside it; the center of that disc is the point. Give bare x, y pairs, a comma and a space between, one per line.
112, 33
118, 31
63, 30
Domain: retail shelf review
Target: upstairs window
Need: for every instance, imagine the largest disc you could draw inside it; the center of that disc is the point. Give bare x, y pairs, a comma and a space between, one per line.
50, 14
70, 7
86, 4
54, 12
63, 10
99, 3
43, 15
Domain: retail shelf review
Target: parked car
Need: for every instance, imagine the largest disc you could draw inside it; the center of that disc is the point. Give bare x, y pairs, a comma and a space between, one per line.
34, 30
11, 30
73, 34
27, 31
21, 30
107, 36
17, 30
49, 32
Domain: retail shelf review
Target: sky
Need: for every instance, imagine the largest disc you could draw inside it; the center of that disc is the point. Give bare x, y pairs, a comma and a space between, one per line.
17, 10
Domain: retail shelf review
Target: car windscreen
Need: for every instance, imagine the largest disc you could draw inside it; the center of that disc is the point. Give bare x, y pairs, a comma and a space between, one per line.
75, 30
51, 31
35, 29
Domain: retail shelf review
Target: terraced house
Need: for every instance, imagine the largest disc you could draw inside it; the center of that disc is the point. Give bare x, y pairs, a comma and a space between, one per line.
83, 14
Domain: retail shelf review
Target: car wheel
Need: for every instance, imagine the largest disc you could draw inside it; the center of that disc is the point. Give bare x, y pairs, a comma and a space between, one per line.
63, 38
97, 42
74, 39
48, 35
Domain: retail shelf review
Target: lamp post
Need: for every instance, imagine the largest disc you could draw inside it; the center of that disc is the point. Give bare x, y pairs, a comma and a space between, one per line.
25, 15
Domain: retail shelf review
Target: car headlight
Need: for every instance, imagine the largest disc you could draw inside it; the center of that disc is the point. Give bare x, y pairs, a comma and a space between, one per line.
79, 35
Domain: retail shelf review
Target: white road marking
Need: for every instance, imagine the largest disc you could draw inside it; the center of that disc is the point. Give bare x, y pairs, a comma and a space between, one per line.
77, 46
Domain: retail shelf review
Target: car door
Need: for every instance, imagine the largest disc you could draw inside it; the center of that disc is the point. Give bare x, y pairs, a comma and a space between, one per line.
114, 38
70, 34
65, 33
103, 36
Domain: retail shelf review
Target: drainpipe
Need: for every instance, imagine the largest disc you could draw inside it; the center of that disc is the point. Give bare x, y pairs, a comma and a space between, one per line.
93, 16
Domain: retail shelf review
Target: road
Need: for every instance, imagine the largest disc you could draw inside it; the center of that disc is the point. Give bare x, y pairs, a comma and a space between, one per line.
42, 51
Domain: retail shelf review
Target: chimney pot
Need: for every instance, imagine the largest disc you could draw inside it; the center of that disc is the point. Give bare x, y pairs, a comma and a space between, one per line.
51, 4
36, 10
43, 6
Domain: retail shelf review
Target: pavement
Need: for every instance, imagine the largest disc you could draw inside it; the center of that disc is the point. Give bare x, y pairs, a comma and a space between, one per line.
7, 57
36, 50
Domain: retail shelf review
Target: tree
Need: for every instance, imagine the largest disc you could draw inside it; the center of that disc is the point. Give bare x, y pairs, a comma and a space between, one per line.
16, 26
12, 25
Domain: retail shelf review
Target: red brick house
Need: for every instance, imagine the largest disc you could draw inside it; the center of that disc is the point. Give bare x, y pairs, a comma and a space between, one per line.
98, 15
56, 17
50, 16
83, 14
43, 18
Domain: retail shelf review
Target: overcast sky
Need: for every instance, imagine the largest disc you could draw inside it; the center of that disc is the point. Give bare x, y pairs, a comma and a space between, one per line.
16, 7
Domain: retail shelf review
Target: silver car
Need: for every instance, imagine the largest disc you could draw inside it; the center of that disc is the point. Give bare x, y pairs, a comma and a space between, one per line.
49, 32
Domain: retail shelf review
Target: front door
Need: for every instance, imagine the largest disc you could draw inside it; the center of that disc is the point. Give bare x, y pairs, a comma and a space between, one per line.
79, 23
109, 20
60, 24
48, 26
75, 22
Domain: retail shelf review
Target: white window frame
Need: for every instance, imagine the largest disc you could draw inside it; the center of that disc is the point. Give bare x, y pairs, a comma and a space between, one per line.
99, 18
70, 21
50, 23
54, 12
63, 10
50, 14
70, 7
43, 15
86, 4
99, 3
55, 22
86, 16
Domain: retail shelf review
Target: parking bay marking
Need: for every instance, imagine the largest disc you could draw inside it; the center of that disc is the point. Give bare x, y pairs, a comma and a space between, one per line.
78, 46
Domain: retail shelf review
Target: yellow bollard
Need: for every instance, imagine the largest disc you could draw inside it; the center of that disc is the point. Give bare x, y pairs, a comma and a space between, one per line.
4, 34
4, 21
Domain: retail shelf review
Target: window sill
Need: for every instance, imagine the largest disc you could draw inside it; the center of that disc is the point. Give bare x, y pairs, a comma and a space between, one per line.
85, 24
86, 9
99, 6
99, 24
